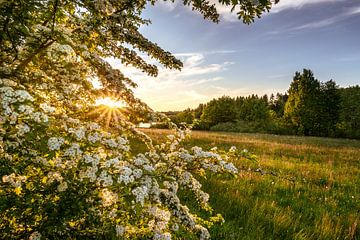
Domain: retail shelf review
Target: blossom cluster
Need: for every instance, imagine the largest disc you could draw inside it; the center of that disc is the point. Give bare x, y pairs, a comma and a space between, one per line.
50, 156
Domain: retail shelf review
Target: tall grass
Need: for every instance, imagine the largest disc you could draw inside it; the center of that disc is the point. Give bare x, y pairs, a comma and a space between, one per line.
312, 193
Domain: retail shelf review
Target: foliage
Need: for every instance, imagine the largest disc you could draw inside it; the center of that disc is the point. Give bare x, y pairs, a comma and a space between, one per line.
252, 108
310, 107
329, 108
349, 124
277, 105
67, 166
218, 111
301, 109
183, 117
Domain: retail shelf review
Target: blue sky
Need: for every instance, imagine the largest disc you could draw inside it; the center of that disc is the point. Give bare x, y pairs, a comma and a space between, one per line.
234, 59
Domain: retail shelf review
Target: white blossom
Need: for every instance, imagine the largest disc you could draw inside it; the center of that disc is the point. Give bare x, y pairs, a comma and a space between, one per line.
22, 129
162, 236
140, 194
105, 179
27, 110
73, 151
79, 132
46, 108
93, 138
35, 236
108, 197
55, 143
232, 149
120, 230
14, 180
62, 187
23, 95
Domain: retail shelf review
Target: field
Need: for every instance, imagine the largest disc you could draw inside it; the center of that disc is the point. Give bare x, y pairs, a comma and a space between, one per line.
311, 191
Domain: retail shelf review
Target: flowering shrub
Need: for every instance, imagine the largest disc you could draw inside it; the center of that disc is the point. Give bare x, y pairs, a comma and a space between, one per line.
60, 175
67, 167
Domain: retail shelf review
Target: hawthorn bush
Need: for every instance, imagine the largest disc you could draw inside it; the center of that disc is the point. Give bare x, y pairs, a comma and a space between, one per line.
67, 166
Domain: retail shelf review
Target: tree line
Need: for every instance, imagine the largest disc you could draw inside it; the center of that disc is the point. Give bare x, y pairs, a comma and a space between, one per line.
309, 107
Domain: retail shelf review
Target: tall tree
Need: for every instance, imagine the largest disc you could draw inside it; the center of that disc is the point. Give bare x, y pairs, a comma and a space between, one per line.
277, 104
329, 106
349, 123
301, 108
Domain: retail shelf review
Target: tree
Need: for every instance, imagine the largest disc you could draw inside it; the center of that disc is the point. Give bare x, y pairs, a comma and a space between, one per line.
301, 108
278, 104
199, 111
329, 107
312, 106
64, 176
219, 111
253, 108
349, 119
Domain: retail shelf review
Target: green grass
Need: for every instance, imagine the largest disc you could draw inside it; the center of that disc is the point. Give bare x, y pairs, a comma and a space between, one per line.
323, 201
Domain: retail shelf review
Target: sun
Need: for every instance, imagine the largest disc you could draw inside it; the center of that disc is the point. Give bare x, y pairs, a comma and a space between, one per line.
109, 109
110, 102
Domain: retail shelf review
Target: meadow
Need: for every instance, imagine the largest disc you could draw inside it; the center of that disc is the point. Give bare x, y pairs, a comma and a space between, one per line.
309, 187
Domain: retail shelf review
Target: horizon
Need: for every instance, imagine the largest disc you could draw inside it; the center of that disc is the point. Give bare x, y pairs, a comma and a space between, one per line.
234, 59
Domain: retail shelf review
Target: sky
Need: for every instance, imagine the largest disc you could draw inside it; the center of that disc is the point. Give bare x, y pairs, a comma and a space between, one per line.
234, 59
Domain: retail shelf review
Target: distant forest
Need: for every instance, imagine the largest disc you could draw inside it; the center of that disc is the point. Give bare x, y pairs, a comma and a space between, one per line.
309, 107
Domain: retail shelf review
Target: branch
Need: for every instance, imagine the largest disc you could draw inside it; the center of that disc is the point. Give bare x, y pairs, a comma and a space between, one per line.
42, 47
54, 14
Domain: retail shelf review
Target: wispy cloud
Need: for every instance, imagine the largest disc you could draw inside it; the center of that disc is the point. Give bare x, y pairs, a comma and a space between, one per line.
331, 20
351, 58
166, 5
297, 4
321, 22
227, 15
197, 82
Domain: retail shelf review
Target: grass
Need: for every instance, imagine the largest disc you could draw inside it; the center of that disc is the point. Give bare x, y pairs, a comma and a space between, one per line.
320, 201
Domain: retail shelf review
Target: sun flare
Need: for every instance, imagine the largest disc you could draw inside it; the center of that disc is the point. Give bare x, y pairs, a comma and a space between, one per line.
108, 110
110, 102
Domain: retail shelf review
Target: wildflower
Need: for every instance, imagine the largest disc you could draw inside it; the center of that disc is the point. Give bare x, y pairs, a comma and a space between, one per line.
232, 149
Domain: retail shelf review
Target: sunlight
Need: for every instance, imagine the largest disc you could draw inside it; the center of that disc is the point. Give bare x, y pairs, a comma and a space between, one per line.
109, 110
110, 102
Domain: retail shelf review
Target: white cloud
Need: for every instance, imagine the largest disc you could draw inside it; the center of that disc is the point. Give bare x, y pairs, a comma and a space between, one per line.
194, 60
297, 4
166, 5
230, 16
225, 11
353, 11
197, 82
227, 15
